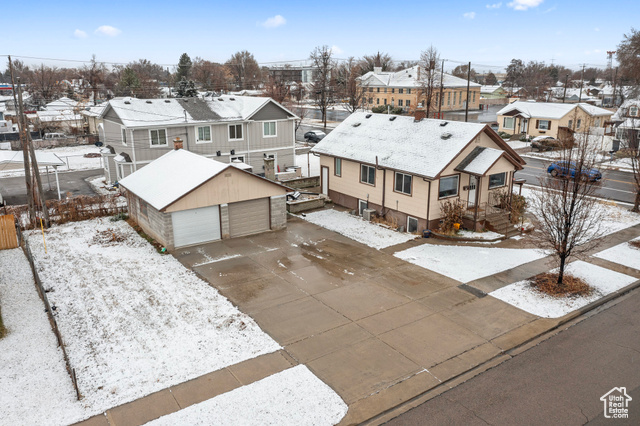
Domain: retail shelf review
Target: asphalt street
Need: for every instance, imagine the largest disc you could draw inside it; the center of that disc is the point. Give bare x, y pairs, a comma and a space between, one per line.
13, 189
558, 382
615, 185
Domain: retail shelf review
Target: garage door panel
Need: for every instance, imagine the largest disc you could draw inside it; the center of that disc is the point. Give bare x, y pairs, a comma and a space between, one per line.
249, 217
196, 226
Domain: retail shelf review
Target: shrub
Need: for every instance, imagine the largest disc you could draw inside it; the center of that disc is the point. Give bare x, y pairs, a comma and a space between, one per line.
516, 206
450, 215
384, 109
119, 216
524, 138
504, 135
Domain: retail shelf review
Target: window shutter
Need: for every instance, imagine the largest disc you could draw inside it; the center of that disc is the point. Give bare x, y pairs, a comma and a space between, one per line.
537, 123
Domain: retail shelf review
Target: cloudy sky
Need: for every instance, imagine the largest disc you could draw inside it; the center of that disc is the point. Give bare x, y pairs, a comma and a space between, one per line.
491, 33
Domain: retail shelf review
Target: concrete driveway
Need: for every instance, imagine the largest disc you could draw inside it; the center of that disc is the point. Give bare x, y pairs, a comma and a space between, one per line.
376, 329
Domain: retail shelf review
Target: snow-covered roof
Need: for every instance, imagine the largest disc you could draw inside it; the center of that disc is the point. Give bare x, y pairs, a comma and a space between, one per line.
623, 110
171, 176
490, 89
43, 158
422, 148
409, 77
58, 115
61, 104
479, 161
166, 112
93, 111
549, 110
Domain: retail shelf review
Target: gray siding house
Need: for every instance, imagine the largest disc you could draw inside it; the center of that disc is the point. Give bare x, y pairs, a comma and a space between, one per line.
227, 129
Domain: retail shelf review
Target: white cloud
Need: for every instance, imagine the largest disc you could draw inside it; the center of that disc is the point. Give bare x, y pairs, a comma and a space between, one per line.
79, 34
108, 30
469, 15
494, 6
336, 50
274, 22
524, 4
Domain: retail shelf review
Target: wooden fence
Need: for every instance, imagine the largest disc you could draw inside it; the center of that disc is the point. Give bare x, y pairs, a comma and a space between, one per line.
8, 236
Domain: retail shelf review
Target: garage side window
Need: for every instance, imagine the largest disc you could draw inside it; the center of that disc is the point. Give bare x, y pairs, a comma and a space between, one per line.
508, 123
497, 180
448, 187
143, 208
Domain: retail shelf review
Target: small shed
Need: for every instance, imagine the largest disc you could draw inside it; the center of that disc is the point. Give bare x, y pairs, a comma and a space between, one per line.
183, 199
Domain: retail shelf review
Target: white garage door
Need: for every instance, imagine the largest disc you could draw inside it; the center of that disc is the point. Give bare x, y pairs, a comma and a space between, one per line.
249, 217
196, 226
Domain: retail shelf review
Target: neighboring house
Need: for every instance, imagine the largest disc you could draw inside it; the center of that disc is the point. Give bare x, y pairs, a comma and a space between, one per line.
550, 119
60, 116
92, 120
227, 128
183, 198
404, 168
403, 89
493, 92
627, 124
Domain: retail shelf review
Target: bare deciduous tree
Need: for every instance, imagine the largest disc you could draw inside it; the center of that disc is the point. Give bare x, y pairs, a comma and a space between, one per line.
429, 76
244, 70
347, 85
277, 89
568, 213
210, 75
93, 75
322, 60
44, 84
369, 62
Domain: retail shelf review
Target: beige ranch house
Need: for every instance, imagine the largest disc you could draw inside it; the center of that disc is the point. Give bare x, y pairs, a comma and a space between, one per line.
550, 119
405, 168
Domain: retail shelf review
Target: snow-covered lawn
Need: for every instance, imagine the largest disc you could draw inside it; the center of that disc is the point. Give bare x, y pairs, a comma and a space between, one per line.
291, 397
464, 263
487, 235
518, 144
358, 229
615, 217
623, 254
73, 156
35, 387
523, 296
135, 321
308, 162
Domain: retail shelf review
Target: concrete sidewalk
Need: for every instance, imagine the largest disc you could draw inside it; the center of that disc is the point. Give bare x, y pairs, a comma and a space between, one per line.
376, 329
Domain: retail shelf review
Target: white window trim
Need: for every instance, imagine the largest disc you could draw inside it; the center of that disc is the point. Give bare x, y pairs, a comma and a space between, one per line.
548, 122
229, 134
395, 183
198, 141
236, 157
361, 208
513, 123
123, 135
166, 138
414, 218
275, 126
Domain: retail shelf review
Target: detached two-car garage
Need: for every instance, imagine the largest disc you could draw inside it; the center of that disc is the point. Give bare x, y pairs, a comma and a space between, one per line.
182, 199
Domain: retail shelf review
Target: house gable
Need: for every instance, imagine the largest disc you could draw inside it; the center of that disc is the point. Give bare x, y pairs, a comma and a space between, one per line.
109, 114
271, 111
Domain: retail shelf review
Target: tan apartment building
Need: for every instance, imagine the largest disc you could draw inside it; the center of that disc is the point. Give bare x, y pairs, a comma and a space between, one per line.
404, 89
550, 119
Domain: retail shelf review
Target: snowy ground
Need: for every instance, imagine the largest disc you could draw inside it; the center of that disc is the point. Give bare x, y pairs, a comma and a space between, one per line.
73, 156
305, 162
622, 164
291, 397
464, 263
358, 229
518, 144
135, 321
523, 296
487, 235
34, 383
615, 217
623, 254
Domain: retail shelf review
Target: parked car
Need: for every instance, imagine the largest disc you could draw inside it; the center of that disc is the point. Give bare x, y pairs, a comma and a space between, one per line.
314, 136
545, 143
569, 169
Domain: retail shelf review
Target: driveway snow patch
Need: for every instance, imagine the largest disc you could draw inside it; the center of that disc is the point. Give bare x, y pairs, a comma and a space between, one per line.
523, 296
35, 387
292, 397
622, 254
464, 263
358, 229
135, 321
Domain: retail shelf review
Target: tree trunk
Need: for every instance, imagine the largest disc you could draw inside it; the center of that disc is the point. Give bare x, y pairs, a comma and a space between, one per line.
636, 203
563, 259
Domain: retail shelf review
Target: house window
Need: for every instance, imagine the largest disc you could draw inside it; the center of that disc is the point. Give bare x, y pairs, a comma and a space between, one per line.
362, 204
337, 166
370, 89
143, 208
543, 124
448, 186
508, 123
400, 91
269, 129
578, 123
474, 97
124, 136
235, 132
407, 103
399, 102
633, 111
204, 134
403, 183
385, 90
393, 90
448, 98
570, 125
454, 97
412, 224
237, 157
378, 90
385, 101
158, 137
408, 91
597, 122
499, 179
370, 100
378, 101
367, 174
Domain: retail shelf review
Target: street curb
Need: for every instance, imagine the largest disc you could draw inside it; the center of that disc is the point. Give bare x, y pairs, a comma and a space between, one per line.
573, 318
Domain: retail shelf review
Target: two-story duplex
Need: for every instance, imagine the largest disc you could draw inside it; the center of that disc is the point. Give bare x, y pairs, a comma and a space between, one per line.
627, 124
226, 128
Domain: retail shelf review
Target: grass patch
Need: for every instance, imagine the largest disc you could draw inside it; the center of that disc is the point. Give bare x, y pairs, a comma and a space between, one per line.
159, 247
547, 283
635, 244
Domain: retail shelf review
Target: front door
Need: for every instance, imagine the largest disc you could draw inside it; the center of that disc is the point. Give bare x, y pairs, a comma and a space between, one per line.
523, 125
472, 191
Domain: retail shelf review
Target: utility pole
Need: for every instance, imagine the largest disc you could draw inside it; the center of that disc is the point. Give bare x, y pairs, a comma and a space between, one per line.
466, 106
25, 152
614, 87
581, 84
440, 100
566, 80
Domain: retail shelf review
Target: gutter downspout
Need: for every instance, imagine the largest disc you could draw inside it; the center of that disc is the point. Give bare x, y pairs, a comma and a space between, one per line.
275, 166
428, 203
186, 131
475, 213
133, 151
384, 185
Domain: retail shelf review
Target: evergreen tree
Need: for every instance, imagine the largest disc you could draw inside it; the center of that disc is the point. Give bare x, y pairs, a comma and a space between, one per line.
184, 67
187, 88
